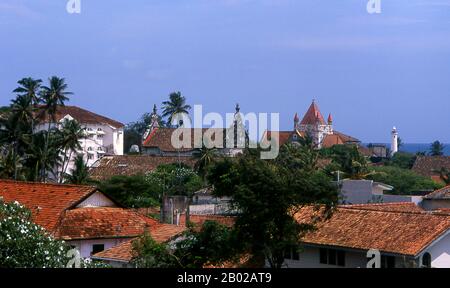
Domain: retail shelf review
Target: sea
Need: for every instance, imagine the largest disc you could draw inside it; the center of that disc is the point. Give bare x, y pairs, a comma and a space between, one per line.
419, 147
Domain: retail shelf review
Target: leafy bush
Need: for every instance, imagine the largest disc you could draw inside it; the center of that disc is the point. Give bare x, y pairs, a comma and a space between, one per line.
404, 181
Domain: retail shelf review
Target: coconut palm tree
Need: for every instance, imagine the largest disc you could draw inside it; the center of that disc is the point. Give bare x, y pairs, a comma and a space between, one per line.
79, 174
70, 135
204, 158
53, 95
175, 105
30, 88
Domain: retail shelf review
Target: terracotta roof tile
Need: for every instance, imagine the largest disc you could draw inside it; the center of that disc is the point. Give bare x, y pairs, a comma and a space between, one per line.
313, 116
429, 165
199, 220
116, 165
387, 207
443, 193
124, 251
84, 116
162, 138
46, 201
103, 222
406, 233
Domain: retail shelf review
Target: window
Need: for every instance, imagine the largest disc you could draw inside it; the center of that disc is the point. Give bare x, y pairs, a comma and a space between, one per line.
89, 149
426, 260
90, 157
97, 248
292, 254
332, 257
387, 261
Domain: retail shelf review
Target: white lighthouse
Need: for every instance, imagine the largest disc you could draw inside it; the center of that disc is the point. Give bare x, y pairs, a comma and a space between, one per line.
394, 141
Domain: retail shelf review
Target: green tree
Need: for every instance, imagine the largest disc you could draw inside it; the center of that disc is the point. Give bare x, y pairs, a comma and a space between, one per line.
131, 191
52, 96
268, 192
437, 149
204, 157
79, 175
404, 181
213, 244
402, 160
70, 135
350, 160
175, 105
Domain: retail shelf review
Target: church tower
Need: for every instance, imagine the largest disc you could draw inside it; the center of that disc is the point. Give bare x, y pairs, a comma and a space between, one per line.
154, 123
394, 141
314, 124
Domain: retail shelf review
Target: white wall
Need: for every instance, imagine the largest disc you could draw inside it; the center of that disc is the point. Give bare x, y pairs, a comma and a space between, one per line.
85, 246
310, 258
440, 253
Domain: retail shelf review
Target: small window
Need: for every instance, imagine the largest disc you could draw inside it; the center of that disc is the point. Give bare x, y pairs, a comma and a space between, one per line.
426, 260
90, 157
89, 149
332, 257
323, 256
96, 248
99, 129
341, 258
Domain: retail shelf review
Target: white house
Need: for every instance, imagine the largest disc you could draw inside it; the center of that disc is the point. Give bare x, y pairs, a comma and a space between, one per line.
82, 216
402, 233
103, 136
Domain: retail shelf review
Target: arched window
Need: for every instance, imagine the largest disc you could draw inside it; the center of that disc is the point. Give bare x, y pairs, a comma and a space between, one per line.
426, 260
89, 149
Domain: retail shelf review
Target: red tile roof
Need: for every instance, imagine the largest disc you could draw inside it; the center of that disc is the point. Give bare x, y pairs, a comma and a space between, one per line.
430, 166
46, 201
116, 165
387, 207
199, 220
405, 233
84, 116
124, 252
103, 222
162, 138
313, 116
283, 136
441, 194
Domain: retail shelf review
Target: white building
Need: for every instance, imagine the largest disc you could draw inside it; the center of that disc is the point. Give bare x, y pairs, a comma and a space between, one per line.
83, 216
104, 136
394, 141
403, 234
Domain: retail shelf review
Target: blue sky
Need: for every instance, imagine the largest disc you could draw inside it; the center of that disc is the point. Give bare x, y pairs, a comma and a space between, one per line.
372, 71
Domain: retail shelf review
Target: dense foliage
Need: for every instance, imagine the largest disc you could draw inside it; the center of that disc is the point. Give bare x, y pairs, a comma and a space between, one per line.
405, 181
267, 192
213, 244
28, 149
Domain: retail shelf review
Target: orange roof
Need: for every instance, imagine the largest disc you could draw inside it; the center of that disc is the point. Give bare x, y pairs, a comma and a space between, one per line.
313, 116
103, 222
124, 251
387, 207
84, 116
443, 193
46, 201
283, 136
162, 138
390, 231
199, 220
129, 165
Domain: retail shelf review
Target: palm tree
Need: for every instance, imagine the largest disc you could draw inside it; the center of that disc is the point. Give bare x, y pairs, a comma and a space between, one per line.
70, 134
53, 95
176, 105
205, 157
79, 174
30, 88
437, 149
22, 113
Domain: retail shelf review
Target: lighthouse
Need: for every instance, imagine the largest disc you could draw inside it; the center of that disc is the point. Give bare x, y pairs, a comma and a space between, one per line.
394, 141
